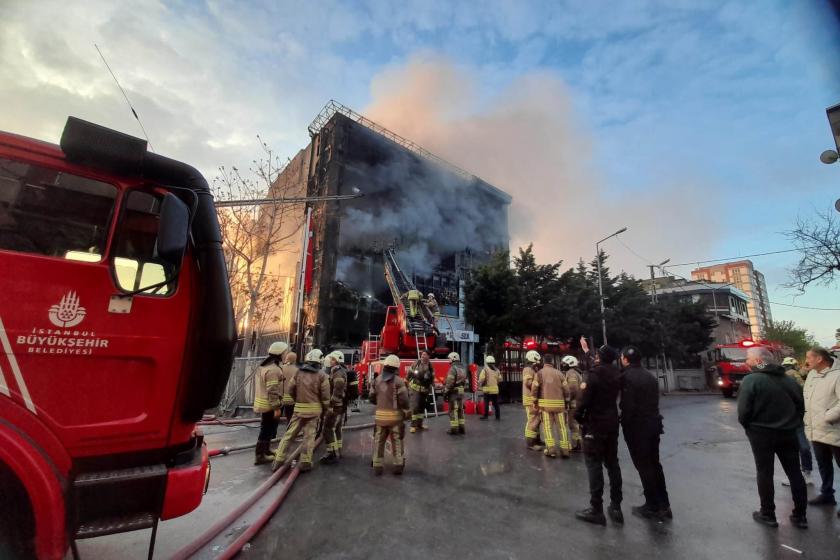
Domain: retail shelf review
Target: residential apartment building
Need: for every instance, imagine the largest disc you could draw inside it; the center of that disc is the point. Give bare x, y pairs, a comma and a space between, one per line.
744, 276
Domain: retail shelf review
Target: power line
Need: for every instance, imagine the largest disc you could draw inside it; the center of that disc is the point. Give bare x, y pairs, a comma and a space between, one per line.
127, 100
693, 263
648, 263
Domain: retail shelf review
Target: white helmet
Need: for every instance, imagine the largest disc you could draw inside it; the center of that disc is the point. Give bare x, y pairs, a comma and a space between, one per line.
454, 357
431, 295
532, 357
314, 355
570, 361
391, 360
337, 355
489, 360
278, 348
789, 361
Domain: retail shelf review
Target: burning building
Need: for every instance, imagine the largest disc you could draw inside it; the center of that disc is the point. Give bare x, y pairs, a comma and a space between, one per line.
441, 221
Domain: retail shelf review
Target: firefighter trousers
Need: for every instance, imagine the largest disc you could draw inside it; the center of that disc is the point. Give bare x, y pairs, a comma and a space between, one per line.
307, 425
555, 422
456, 414
333, 425
574, 429
417, 403
381, 434
532, 424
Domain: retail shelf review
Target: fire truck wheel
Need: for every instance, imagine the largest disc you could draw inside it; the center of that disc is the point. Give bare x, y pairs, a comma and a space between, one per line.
17, 525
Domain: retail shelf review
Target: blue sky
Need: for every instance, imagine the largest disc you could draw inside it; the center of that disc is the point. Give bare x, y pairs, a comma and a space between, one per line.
704, 117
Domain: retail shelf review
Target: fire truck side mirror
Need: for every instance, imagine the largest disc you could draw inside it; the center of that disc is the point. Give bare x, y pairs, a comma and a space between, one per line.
173, 229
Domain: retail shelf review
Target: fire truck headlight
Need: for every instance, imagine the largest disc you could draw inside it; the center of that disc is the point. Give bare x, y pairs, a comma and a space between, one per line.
720, 382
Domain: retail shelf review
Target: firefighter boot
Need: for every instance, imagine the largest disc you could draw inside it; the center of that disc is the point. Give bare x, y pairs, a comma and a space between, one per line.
413, 429
461, 430
261, 455
305, 466
398, 469
329, 459
532, 444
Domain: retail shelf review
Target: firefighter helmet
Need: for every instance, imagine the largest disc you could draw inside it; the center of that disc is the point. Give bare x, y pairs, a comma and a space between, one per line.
431, 295
532, 357
391, 360
570, 361
489, 360
789, 361
337, 355
454, 357
278, 348
314, 355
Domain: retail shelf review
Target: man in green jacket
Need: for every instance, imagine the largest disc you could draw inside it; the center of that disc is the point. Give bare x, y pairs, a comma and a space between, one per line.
770, 407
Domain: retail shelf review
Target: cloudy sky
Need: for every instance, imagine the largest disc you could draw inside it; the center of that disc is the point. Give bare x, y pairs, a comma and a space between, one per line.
697, 124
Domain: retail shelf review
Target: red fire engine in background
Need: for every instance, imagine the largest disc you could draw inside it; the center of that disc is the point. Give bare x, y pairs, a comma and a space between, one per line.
729, 363
117, 333
410, 329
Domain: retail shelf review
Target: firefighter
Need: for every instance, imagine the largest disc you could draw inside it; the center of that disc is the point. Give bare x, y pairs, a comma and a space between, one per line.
792, 370
390, 396
488, 380
334, 418
289, 370
310, 389
268, 396
532, 424
432, 305
550, 392
421, 377
453, 392
570, 366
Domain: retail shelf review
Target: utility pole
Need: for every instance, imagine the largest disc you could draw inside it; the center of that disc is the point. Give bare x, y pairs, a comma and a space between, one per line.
653, 298
601, 281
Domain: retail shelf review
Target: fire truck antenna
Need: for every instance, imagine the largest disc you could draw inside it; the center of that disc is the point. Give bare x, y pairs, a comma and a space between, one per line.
127, 100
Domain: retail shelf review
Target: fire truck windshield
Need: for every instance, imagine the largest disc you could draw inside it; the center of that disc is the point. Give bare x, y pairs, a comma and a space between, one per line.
733, 354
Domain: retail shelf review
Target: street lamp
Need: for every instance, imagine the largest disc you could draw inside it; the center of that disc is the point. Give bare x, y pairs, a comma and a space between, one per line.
292, 200
831, 156
601, 283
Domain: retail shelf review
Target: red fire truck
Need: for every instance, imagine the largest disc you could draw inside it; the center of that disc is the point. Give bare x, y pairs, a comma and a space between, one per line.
729, 363
117, 334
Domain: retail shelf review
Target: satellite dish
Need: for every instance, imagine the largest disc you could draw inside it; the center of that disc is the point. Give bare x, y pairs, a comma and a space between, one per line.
829, 156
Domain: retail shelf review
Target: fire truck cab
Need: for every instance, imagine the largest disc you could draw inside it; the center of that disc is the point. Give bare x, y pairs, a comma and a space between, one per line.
117, 333
729, 364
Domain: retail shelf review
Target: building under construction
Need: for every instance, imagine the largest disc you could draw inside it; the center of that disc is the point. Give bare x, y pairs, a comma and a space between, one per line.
440, 220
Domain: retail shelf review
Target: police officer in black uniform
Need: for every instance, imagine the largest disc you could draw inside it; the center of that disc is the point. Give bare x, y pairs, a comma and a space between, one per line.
642, 426
598, 416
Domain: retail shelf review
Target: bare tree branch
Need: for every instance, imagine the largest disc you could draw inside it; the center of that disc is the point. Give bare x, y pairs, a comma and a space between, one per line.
818, 242
252, 234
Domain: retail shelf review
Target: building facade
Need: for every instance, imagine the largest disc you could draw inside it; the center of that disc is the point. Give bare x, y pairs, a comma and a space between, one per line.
441, 221
748, 280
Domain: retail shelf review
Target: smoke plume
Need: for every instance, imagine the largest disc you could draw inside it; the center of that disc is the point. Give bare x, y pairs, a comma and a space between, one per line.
528, 142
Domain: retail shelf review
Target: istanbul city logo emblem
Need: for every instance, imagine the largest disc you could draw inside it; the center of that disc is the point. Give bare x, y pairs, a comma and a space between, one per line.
67, 312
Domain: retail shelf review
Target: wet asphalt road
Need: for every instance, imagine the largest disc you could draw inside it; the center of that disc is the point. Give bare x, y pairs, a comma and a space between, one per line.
484, 496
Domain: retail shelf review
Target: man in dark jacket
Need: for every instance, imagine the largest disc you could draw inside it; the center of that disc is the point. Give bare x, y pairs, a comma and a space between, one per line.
642, 427
770, 407
598, 417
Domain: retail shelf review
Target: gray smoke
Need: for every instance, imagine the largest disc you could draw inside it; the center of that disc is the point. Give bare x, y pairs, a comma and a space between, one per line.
426, 211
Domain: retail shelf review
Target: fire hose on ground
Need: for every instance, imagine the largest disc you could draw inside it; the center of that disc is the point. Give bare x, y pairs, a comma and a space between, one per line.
216, 529
228, 449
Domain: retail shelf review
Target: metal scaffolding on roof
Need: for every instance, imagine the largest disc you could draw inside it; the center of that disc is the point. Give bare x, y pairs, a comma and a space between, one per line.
333, 107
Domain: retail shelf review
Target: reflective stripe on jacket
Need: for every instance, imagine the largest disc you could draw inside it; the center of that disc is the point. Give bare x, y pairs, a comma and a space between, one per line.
488, 379
268, 388
528, 375
310, 388
550, 390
